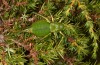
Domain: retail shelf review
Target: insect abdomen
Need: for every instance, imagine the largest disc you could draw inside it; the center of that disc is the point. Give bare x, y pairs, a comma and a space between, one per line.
41, 28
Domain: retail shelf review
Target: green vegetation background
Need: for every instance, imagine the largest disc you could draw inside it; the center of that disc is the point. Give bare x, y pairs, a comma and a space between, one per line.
77, 44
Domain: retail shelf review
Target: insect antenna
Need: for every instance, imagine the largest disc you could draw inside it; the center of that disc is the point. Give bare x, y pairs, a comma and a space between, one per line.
42, 17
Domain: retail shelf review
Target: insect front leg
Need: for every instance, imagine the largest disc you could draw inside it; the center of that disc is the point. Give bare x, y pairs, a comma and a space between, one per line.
55, 35
61, 33
61, 37
43, 17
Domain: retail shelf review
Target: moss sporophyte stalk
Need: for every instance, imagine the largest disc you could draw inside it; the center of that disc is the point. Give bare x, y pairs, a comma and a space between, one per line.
43, 28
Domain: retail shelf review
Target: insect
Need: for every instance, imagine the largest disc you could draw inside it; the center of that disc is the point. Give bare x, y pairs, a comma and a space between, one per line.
44, 27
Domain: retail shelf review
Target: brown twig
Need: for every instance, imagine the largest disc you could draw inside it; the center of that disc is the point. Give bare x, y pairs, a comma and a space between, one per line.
70, 60
3, 56
20, 3
31, 38
5, 3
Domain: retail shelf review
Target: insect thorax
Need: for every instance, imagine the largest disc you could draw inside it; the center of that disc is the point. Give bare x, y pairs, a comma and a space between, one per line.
55, 27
